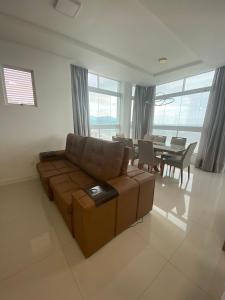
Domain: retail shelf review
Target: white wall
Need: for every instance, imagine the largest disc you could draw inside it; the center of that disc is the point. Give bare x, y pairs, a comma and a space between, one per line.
26, 131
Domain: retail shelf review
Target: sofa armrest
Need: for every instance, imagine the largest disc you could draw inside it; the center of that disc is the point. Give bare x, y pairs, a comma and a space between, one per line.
146, 183
51, 155
127, 201
92, 226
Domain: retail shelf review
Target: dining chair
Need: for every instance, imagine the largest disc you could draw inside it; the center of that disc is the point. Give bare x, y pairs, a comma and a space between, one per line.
122, 135
133, 151
181, 162
116, 139
159, 139
179, 141
128, 143
175, 141
147, 155
148, 137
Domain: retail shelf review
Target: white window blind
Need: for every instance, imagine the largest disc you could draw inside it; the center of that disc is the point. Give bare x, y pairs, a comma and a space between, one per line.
19, 86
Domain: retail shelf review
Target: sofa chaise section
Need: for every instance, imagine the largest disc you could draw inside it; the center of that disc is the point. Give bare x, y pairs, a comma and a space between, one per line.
55, 163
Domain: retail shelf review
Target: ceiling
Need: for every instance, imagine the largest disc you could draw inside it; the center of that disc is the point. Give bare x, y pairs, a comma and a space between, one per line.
124, 38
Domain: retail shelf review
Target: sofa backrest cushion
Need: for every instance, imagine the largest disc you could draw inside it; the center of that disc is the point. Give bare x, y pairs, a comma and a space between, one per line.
74, 147
102, 159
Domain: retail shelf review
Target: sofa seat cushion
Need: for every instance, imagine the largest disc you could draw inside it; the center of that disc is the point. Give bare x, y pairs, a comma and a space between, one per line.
53, 168
134, 171
102, 159
63, 186
82, 179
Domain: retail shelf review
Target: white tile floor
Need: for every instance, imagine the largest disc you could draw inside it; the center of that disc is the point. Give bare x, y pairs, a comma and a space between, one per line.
175, 254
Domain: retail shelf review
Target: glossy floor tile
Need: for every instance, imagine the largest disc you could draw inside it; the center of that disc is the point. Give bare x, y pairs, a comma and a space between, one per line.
174, 253
200, 258
171, 285
120, 270
165, 236
48, 279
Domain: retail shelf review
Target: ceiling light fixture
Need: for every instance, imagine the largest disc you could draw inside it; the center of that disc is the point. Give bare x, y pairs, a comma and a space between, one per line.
163, 60
69, 8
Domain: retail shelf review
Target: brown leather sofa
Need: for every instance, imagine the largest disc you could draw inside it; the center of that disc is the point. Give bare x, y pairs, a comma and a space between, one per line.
87, 161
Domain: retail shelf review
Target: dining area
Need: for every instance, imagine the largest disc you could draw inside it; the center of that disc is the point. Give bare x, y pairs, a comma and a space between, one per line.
156, 152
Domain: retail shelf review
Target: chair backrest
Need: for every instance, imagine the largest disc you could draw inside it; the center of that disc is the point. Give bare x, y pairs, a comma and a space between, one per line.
122, 135
186, 159
116, 139
146, 152
148, 137
159, 139
179, 141
127, 142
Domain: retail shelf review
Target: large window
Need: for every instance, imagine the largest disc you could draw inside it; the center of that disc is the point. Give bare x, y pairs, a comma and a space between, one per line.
104, 106
185, 114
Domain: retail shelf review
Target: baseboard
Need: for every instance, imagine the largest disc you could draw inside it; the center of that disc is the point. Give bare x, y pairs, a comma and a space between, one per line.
17, 180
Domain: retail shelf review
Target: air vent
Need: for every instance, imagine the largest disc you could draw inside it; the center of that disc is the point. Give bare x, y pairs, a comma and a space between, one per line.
69, 8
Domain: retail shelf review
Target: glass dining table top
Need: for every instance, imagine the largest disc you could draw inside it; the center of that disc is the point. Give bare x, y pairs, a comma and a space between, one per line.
170, 148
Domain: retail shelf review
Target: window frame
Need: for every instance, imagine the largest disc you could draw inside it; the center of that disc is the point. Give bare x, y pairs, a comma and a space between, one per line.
180, 94
184, 92
118, 94
3, 85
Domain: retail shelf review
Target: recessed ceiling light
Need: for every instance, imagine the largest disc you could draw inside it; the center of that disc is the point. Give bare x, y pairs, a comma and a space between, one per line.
68, 7
163, 60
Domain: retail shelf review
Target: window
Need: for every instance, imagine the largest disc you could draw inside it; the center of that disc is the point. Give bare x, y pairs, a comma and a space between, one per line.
168, 88
183, 117
199, 81
18, 86
104, 106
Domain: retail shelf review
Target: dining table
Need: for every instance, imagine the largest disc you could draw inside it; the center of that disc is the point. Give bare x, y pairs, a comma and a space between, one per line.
169, 148
164, 148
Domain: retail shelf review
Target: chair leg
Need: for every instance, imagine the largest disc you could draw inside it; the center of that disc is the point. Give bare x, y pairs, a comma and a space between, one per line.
162, 165
181, 175
189, 171
170, 170
132, 162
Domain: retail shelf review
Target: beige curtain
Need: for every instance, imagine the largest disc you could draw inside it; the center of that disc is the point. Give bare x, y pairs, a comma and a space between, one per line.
143, 111
80, 100
211, 154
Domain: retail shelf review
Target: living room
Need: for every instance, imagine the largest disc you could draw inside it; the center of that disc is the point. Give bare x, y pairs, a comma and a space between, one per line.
127, 96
